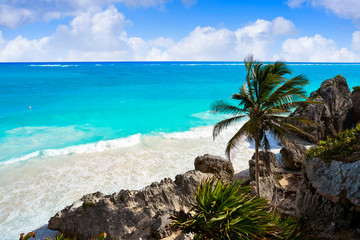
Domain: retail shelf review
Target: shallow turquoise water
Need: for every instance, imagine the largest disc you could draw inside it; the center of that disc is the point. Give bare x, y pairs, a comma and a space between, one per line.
111, 126
81, 103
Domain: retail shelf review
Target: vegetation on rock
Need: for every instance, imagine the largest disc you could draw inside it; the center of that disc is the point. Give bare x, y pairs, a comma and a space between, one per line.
340, 148
229, 211
356, 89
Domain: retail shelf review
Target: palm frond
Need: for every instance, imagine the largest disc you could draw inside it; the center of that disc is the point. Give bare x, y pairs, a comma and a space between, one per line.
292, 87
224, 124
234, 141
225, 108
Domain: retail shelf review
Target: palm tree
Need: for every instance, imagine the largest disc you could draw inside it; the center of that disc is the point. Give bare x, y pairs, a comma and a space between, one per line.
266, 98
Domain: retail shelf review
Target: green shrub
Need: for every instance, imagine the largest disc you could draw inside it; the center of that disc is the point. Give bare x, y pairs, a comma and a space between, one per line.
356, 89
85, 205
61, 237
338, 148
231, 212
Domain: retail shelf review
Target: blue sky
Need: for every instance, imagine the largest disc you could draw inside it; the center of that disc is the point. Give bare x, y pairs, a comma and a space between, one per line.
165, 30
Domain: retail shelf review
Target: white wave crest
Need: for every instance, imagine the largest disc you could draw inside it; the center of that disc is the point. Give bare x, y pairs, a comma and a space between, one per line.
53, 65
83, 148
197, 132
22, 158
95, 147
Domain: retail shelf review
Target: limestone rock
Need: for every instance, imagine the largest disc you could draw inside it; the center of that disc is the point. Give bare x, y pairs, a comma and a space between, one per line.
161, 226
329, 198
216, 165
355, 97
334, 115
130, 214
269, 165
187, 236
270, 173
324, 217
293, 155
337, 181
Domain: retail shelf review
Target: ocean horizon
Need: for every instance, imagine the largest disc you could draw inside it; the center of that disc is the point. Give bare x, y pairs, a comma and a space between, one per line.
71, 128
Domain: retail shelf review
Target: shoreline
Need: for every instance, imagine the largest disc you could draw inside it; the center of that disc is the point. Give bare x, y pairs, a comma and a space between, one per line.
40, 187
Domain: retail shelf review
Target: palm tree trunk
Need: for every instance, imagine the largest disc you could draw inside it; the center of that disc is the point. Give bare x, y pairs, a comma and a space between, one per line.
257, 168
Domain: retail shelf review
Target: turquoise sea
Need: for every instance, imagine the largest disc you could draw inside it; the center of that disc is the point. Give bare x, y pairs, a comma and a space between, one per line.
67, 129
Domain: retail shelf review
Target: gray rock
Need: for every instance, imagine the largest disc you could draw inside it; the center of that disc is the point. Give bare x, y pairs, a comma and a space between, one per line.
270, 172
293, 155
336, 181
355, 97
161, 226
334, 115
268, 165
187, 236
329, 198
130, 214
216, 165
320, 214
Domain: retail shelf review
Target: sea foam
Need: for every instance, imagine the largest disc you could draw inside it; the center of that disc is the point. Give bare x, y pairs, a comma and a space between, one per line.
78, 149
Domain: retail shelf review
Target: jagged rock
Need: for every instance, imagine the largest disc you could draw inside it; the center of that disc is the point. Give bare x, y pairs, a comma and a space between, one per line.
337, 181
334, 115
187, 236
321, 215
216, 165
355, 97
161, 226
268, 165
293, 155
270, 172
329, 198
130, 214
138, 214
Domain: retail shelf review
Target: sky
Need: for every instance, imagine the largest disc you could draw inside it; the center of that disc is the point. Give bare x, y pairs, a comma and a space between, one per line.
179, 30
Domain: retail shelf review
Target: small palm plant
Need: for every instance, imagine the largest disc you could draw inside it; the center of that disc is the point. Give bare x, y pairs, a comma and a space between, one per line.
101, 236
228, 211
265, 99
27, 236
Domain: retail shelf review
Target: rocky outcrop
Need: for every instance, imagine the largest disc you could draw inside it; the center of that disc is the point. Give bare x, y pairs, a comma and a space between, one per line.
293, 155
216, 165
328, 199
270, 172
333, 115
137, 214
355, 97
130, 214
336, 181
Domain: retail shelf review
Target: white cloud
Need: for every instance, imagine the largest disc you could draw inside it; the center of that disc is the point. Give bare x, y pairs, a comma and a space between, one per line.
208, 43
316, 49
22, 49
91, 33
162, 42
356, 41
99, 35
282, 26
295, 3
12, 17
16, 12
204, 44
188, 3
349, 9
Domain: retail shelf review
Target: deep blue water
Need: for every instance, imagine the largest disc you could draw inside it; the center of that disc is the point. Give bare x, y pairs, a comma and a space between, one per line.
81, 103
